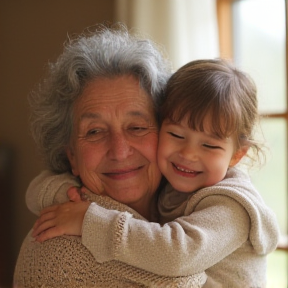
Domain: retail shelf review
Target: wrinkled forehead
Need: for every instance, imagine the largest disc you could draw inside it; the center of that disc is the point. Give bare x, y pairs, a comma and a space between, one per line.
114, 96
120, 89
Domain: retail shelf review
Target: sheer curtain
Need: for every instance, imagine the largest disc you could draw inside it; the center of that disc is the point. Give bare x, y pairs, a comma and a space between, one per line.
186, 28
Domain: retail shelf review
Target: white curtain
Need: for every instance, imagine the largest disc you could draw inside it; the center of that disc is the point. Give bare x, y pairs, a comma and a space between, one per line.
186, 28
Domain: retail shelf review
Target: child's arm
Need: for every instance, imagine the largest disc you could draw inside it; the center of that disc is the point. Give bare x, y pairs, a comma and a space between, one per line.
56, 220
49, 188
217, 226
185, 246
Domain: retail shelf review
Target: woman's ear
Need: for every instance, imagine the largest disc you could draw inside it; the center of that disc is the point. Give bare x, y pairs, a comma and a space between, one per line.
72, 159
237, 156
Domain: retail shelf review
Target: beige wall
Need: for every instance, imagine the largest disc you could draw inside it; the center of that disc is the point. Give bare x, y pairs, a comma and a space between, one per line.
31, 33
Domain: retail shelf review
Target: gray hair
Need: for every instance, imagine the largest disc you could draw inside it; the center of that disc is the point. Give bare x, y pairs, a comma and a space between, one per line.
106, 52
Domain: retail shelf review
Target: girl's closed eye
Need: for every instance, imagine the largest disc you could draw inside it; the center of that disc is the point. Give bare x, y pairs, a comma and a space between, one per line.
175, 135
209, 146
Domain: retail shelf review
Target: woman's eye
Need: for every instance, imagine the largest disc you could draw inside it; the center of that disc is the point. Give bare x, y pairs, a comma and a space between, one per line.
95, 134
176, 135
139, 130
136, 128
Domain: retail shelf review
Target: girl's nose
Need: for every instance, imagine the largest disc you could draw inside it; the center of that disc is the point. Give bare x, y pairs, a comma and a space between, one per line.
189, 153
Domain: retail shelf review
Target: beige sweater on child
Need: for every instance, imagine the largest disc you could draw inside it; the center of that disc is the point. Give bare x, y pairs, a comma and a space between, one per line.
225, 230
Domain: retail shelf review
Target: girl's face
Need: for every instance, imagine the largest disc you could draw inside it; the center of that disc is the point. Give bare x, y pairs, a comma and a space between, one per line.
190, 159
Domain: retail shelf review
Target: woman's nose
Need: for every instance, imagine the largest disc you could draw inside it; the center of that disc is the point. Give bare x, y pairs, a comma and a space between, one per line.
120, 147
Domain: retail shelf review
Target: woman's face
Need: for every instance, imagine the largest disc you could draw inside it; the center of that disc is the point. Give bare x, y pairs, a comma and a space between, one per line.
114, 142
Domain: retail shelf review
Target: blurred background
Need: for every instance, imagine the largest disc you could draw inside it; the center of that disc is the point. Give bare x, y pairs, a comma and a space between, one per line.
250, 32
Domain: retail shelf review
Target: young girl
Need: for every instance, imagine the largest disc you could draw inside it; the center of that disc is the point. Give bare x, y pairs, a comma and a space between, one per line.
212, 218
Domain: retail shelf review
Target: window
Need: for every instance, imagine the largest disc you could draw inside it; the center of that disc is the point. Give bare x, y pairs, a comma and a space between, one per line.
253, 34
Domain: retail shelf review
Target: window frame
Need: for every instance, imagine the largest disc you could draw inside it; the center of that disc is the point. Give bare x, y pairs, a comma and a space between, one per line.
225, 18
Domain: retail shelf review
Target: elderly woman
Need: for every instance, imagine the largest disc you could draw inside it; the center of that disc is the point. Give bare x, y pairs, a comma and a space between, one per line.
95, 115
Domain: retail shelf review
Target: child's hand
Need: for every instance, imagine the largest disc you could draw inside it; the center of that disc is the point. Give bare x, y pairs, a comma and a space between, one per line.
77, 194
74, 194
66, 218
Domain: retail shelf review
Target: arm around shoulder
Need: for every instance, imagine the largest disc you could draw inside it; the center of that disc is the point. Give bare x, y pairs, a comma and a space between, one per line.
186, 246
48, 188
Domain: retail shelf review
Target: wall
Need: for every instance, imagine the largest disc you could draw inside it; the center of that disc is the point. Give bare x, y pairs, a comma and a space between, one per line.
31, 33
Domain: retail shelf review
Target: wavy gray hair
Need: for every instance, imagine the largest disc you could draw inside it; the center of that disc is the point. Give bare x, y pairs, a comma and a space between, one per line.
106, 52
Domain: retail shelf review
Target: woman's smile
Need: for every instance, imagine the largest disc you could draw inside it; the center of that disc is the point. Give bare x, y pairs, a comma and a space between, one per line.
115, 147
123, 174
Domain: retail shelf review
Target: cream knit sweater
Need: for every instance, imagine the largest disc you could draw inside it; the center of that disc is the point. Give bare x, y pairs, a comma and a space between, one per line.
65, 262
228, 234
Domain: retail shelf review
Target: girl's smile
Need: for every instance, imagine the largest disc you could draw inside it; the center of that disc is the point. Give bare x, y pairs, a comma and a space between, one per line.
185, 172
191, 160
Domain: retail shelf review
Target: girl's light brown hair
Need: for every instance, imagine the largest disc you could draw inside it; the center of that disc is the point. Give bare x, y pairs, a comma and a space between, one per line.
217, 88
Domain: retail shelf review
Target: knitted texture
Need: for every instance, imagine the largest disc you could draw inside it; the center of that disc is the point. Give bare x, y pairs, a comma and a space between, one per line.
236, 264
65, 262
